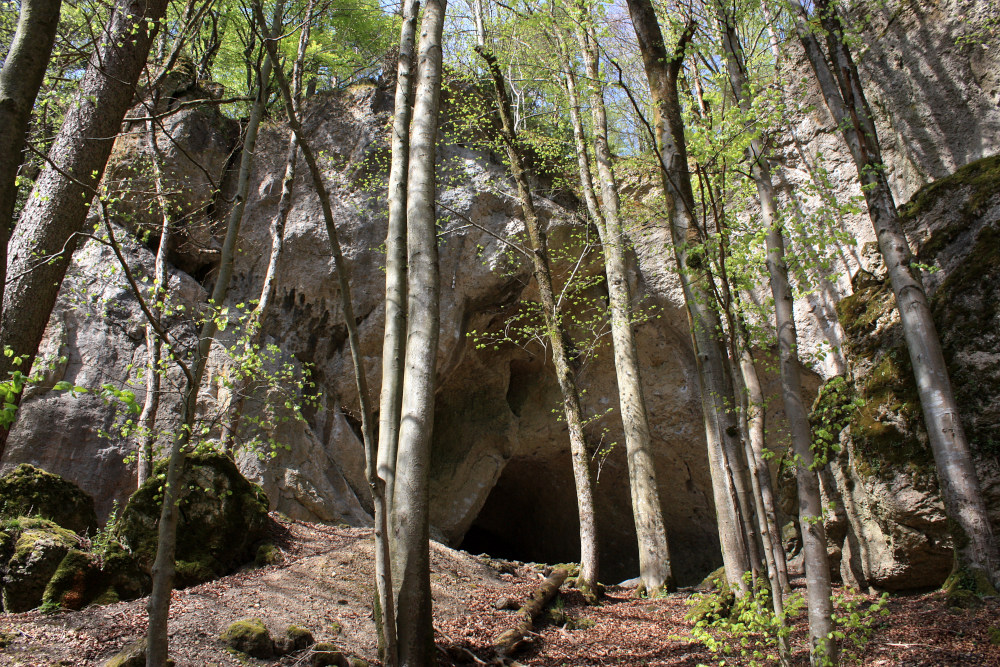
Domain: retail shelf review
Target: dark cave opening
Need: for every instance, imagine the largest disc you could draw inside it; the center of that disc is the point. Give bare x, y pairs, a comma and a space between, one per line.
530, 515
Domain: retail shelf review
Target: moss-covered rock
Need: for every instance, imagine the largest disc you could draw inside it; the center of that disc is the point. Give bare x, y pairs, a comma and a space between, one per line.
30, 491
268, 554
249, 636
325, 654
77, 581
132, 655
222, 519
39, 548
296, 638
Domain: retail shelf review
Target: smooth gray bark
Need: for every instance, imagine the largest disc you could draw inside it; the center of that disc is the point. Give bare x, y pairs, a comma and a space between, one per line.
48, 231
410, 525
728, 481
21, 77
975, 542
655, 571
394, 339
163, 565
154, 344
583, 479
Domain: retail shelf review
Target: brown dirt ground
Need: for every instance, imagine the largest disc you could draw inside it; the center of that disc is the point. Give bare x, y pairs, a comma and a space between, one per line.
324, 584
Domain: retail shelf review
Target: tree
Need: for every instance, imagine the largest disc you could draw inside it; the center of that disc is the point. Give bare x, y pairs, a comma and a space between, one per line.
394, 338
976, 554
655, 570
20, 79
572, 411
410, 509
728, 476
163, 565
810, 502
52, 221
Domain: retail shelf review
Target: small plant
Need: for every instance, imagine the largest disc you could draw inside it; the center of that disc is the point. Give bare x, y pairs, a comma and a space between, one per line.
104, 538
744, 627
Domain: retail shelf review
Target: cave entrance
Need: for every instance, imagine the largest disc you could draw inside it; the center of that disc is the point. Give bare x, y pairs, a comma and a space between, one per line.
530, 515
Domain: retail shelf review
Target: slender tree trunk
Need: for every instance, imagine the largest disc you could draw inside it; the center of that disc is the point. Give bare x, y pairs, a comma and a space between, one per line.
410, 525
163, 565
817, 563
655, 571
720, 427
21, 77
262, 309
383, 579
154, 345
589, 555
394, 340
49, 228
972, 534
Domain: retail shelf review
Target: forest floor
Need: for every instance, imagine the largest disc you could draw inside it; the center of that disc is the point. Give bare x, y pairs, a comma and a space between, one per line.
324, 585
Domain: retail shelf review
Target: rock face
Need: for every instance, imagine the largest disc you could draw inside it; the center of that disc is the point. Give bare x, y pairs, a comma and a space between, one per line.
222, 520
894, 533
500, 473
29, 491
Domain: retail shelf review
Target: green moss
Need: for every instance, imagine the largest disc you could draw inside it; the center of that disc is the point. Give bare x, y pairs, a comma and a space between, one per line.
249, 636
298, 638
30, 491
982, 177
324, 654
192, 573
994, 635
268, 554
714, 581
223, 518
76, 582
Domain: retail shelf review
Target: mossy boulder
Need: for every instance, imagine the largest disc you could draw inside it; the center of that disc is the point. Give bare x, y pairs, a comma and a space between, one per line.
249, 636
30, 491
296, 638
132, 655
39, 548
76, 582
222, 519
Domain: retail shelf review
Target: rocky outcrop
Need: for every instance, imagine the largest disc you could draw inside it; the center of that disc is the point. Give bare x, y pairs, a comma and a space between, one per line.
894, 530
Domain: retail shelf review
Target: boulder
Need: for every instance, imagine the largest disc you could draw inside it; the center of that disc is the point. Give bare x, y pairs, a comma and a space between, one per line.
222, 519
30, 491
38, 550
132, 655
249, 636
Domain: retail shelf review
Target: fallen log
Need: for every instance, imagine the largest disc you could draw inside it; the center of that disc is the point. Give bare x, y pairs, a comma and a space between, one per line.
510, 640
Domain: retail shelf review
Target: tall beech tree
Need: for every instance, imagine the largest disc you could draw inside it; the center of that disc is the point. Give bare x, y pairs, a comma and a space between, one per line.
50, 226
655, 571
974, 542
410, 510
565, 375
729, 483
818, 586
383, 577
21, 77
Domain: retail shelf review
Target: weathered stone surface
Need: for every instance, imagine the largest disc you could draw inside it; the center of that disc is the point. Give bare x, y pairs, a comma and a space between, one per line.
896, 534
38, 549
30, 491
222, 518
